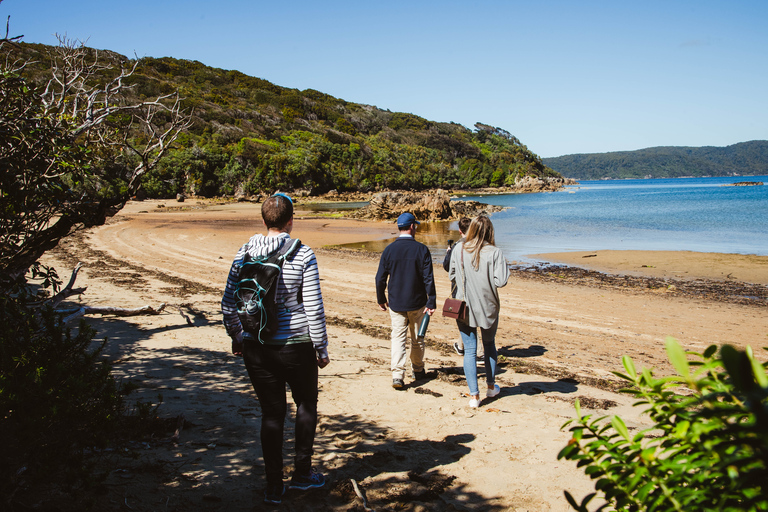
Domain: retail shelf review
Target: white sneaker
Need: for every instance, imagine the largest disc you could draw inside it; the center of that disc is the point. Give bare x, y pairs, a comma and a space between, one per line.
474, 403
493, 392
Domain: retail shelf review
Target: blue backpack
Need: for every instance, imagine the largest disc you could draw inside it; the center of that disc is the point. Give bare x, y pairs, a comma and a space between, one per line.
256, 289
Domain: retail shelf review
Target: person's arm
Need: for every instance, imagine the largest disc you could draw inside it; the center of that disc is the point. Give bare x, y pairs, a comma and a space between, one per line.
429, 282
455, 271
382, 274
313, 306
229, 308
500, 268
447, 259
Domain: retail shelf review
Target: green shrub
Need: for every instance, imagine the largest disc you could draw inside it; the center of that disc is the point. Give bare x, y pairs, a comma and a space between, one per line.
707, 448
57, 396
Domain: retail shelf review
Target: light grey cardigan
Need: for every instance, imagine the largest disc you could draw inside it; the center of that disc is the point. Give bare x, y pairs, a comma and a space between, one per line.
482, 296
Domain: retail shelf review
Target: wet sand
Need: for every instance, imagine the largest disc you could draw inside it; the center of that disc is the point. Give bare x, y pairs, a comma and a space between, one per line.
746, 268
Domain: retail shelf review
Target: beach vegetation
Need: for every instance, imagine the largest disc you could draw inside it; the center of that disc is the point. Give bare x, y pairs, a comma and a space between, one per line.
76, 144
58, 398
74, 147
707, 448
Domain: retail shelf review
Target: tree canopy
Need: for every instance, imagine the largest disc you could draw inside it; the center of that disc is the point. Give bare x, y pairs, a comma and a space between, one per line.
248, 135
73, 148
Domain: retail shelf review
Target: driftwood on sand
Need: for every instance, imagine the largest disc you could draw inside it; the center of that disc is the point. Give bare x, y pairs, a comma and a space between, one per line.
74, 313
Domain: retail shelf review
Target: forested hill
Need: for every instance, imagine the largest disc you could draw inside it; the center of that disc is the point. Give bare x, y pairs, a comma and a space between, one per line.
743, 159
250, 135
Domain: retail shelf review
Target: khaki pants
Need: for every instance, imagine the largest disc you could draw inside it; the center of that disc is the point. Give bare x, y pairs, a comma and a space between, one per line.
402, 324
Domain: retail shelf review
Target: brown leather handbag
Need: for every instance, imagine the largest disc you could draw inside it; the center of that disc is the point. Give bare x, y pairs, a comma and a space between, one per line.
456, 308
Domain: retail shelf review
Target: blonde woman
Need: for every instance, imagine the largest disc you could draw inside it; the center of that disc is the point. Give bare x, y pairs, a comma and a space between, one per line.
479, 269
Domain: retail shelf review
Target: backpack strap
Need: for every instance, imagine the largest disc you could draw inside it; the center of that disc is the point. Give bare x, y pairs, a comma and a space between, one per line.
289, 249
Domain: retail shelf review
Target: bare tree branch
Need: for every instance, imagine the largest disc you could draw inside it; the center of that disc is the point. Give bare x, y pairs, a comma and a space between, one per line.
72, 139
68, 291
7, 38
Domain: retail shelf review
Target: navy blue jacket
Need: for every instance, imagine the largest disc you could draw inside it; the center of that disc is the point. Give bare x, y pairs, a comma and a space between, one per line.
408, 266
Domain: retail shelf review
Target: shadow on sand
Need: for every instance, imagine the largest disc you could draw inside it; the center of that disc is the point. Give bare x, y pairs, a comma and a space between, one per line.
216, 462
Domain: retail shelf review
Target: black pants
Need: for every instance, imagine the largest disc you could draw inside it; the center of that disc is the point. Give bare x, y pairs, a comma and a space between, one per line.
270, 367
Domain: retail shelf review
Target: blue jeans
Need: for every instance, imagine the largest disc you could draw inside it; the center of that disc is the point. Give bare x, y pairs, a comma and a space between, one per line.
469, 338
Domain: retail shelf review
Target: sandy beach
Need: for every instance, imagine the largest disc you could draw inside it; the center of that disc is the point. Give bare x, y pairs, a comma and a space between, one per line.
417, 449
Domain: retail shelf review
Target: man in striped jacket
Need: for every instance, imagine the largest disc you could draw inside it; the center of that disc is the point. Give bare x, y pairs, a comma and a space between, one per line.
291, 356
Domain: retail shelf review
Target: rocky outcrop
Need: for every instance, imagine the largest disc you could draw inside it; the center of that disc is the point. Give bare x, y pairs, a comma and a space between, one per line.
437, 204
427, 206
472, 209
528, 184
536, 184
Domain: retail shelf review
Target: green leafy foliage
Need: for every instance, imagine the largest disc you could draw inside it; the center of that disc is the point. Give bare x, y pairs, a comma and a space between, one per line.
71, 154
41, 168
708, 446
57, 395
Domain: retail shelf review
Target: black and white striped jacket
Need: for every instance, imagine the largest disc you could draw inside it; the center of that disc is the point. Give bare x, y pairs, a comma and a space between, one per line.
300, 274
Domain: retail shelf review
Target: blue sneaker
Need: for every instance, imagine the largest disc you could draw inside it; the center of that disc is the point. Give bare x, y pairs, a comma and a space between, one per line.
313, 480
274, 493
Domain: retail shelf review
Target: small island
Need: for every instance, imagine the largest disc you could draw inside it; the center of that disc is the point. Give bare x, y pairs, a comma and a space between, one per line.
744, 184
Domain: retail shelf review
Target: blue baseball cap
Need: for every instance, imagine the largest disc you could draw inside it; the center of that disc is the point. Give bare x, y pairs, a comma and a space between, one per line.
406, 219
286, 196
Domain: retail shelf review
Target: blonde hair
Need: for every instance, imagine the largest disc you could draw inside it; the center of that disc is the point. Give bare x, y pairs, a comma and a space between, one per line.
479, 235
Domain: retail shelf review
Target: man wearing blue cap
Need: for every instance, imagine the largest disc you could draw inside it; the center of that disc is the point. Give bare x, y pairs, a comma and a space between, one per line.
407, 264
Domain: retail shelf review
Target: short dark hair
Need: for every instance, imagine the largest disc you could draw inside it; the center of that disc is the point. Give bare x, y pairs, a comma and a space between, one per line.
277, 211
464, 223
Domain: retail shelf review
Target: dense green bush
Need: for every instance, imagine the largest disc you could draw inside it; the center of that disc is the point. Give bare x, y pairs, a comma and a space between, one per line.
742, 159
57, 395
707, 448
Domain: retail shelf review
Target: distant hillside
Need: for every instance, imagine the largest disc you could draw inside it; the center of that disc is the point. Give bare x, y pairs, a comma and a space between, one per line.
250, 136
743, 159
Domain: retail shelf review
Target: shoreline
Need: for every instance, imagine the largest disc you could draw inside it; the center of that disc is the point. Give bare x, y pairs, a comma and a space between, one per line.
237, 221
676, 265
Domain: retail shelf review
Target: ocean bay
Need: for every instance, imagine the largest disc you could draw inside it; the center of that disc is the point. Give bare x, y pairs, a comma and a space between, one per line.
682, 214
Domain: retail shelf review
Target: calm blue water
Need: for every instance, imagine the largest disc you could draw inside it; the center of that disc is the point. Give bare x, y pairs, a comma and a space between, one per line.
696, 214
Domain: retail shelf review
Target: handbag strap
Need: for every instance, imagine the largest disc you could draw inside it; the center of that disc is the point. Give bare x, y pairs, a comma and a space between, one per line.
463, 275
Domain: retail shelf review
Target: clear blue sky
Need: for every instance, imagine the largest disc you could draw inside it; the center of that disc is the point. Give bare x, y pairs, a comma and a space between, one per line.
564, 76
